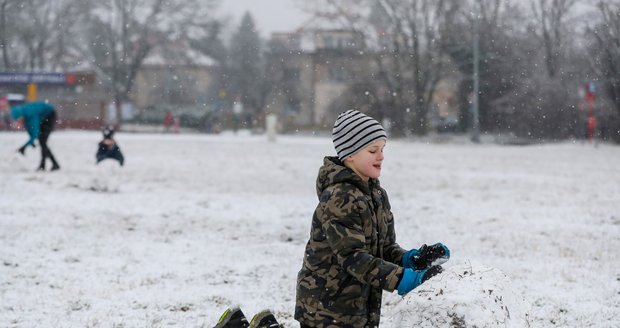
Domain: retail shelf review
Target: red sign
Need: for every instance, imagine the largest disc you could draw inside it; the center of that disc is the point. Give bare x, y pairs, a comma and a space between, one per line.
70, 79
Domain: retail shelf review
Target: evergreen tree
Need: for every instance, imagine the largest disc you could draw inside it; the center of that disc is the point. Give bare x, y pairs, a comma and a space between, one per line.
246, 66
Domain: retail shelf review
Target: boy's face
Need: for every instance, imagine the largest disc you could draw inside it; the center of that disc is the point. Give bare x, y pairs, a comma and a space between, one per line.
367, 162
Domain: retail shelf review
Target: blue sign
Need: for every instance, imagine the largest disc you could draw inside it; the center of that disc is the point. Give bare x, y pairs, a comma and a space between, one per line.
38, 78
592, 87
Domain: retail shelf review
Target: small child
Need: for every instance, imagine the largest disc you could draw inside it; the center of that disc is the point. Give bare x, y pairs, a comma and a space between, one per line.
108, 148
352, 254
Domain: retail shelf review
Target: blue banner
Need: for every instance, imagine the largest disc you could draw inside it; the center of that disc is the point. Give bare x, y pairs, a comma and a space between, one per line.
38, 78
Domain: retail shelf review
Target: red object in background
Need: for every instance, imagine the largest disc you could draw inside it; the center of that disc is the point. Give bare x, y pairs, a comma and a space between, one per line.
591, 127
70, 78
591, 123
177, 124
168, 120
4, 103
590, 98
4, 112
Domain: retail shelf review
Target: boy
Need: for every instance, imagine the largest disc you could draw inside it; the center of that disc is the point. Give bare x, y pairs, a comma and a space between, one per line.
39, 120
352, 254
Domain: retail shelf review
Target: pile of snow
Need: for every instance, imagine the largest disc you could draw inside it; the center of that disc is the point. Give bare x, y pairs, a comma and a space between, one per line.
466, 295
107, 179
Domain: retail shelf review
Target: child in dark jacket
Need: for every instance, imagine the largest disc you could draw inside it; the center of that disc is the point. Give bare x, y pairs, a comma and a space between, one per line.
352, 254
108, 148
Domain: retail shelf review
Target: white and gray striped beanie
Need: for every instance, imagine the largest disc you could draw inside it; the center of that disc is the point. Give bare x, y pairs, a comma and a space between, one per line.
353, 131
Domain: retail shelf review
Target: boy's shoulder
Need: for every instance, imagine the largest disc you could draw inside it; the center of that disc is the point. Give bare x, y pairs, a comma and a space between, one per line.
343, 194
345, 187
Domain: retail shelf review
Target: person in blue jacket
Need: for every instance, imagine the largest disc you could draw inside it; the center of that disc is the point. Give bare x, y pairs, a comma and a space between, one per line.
39, 120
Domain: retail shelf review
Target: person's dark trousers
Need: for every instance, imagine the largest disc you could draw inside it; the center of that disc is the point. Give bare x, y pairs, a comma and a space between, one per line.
46, 127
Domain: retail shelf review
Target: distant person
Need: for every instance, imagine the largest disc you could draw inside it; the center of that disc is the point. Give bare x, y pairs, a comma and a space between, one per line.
39, 121
352, 256
176, 122
108, 148
168, 120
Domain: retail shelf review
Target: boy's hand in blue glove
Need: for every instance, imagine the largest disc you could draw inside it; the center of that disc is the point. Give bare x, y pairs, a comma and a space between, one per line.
412, 279
431, 272
409, 257
426, 256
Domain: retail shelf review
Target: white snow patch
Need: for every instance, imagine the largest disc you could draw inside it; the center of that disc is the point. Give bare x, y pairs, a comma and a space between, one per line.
201, 222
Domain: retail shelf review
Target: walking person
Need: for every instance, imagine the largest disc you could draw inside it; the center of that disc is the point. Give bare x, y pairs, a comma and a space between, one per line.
39, 121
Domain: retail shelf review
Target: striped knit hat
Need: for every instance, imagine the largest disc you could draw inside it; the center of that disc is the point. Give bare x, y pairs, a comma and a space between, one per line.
353, 131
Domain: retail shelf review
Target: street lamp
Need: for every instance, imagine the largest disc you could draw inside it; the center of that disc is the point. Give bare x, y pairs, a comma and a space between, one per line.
476, 76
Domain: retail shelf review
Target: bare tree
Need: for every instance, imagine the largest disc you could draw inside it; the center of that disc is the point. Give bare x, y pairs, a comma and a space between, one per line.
41, 34
413, 66
124, 32
551, 17
407, 37
606, 52
6, 7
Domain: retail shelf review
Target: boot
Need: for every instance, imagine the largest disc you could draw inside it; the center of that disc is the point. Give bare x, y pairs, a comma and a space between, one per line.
232, 318
264, 319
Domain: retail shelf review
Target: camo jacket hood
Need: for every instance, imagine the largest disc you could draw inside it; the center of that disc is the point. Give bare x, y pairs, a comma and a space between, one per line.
351, 255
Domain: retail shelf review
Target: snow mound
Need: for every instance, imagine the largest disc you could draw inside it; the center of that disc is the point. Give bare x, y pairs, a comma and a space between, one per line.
107, 177
465, 295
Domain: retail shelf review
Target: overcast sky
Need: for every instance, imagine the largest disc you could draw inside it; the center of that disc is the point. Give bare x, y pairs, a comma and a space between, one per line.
269, 15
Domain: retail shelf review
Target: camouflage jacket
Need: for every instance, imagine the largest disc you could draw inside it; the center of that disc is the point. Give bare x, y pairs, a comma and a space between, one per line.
351, 255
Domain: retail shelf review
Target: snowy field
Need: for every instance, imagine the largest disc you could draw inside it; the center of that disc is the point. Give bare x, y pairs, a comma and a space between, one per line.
195, 223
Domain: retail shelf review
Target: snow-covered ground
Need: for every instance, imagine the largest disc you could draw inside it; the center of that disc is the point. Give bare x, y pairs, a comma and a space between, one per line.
200, 222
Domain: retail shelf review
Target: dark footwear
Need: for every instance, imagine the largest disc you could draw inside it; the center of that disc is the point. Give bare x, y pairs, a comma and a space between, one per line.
264, 319
232, 318
55, 167
41, 168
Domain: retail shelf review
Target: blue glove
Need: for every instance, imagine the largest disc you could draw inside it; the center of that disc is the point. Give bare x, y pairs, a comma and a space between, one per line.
412, 279
426, 256
409, 257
